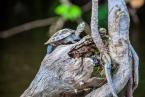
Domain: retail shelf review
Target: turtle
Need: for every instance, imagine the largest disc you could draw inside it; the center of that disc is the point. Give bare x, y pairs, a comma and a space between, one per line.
65, 36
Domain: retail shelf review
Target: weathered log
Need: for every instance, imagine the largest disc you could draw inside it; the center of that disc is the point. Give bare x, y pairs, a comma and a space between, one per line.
61, 75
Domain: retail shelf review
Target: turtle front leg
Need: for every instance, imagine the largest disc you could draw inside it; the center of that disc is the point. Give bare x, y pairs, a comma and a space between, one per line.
77, 38
50, 48
107, 61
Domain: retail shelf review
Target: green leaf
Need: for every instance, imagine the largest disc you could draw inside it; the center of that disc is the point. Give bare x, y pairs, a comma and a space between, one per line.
68, 12
61, 9
74, 12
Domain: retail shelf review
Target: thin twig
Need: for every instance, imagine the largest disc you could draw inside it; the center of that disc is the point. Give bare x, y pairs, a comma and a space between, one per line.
27, 26
65, 2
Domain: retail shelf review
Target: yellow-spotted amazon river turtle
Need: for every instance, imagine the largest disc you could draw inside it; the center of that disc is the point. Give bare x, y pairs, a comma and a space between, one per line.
65, 36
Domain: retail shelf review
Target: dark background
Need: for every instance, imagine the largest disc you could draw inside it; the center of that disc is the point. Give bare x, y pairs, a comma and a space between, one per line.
21, 54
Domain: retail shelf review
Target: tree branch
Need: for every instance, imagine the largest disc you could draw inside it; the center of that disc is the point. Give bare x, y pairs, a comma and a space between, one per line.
119, 48
94, 26
27, 26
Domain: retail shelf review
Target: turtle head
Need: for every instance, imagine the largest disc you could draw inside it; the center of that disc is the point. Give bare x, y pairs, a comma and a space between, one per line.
80, 28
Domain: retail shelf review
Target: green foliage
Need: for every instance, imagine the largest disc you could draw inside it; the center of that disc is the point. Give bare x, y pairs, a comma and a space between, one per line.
102, 15
68, 12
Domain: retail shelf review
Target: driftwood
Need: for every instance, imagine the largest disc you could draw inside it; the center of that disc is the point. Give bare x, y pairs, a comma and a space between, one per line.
61, 75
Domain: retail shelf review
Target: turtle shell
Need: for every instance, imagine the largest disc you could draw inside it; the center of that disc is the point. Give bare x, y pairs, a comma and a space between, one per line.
59, 35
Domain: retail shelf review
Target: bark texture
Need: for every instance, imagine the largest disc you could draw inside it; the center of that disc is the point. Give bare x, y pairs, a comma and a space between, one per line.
63, 76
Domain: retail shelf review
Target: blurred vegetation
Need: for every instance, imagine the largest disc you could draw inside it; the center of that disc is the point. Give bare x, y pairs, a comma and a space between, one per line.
68, 12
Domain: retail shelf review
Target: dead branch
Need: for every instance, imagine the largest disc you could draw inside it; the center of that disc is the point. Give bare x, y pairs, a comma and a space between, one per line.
27, 26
